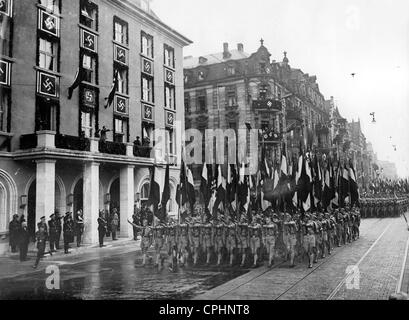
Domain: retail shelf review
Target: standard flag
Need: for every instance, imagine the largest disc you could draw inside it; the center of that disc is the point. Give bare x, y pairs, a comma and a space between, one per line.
165, 194
111, 96
353, 185
205, 184
79, 77
190, 187
154, 191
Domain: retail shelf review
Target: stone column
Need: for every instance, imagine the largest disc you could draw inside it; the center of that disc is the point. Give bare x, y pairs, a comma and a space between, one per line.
91, 202
127, 200
45, 188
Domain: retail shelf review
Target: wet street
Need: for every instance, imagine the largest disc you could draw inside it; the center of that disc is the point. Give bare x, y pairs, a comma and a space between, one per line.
378, 256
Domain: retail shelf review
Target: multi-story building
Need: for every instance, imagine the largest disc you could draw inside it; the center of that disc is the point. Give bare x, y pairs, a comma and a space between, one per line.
80, 81
234, 90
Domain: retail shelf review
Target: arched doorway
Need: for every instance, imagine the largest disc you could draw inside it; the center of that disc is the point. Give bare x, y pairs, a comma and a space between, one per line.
78, 196
115, 198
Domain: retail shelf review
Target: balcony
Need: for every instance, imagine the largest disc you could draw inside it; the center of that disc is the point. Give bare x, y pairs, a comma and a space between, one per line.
110, 147
268, 105
72, 143
142, 151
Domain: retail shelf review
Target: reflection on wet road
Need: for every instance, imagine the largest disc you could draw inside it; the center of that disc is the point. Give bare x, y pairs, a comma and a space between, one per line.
119, 277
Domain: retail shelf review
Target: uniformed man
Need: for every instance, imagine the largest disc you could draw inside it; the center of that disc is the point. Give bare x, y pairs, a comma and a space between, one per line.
79, 226
309, 238
171, 241
340, 227
318, 236
58, 225
194, 239
243, 239
183, 243
102, 228
231, 238
159, 239
290, 237
207, 239
219, 237
255, 231
52, 226
41, 238
270, 232
146, 241
350, 225
68, 230
42, 221
14, 229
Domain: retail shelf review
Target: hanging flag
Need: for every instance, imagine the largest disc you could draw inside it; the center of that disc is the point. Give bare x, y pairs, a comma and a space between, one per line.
154, 191
79, 77
111, 96
165, 194
353, 185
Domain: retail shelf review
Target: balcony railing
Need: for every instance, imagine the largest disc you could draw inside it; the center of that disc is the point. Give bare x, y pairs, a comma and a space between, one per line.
28, 141
72, 143
142, 151
110, 147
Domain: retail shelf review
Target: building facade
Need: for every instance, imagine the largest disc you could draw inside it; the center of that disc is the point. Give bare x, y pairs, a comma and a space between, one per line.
82, 80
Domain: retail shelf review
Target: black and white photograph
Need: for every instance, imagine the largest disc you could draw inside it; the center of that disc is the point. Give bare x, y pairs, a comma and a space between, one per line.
204, 150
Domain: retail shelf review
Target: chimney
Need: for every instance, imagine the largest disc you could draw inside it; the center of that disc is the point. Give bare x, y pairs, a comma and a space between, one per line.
226, 53
240, 47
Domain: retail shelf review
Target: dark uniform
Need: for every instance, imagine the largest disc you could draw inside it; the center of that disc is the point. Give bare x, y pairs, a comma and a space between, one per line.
52, 225
41, 238
79, 227
68, 229
14, 228
58, 225
102, 229
24, 240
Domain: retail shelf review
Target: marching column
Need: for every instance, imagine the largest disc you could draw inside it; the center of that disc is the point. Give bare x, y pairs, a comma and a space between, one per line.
127, 200
45, 188
91, 201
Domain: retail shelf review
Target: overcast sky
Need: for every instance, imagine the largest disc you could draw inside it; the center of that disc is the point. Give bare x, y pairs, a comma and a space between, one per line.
329, 39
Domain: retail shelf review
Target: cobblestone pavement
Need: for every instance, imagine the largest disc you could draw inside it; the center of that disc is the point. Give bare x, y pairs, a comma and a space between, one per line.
370, 268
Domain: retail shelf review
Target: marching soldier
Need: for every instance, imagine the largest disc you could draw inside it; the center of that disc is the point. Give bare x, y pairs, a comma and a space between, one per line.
340, 227
255, 238
290, 237
195, 239
207, 239
318, 236
231, 238
146, 241
219, 238
159, 239
270, 232
171, 240
243, 239
183, 243
309, 239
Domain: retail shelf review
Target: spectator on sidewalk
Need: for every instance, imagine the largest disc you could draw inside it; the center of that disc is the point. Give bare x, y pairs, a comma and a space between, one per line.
24, 241
114, 224
102, 228
52, 227
14, 229
136, 219
41, 238
68, 230
79, 226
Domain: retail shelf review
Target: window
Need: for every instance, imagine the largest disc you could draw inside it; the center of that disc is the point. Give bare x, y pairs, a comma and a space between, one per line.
170, 141
4, 35
89, 65
51, 5
147, 133
263, 92
170, 96
186, 78
147, 89
145, 193
4, 104
89, 15
231, 70
47, 55
122, 81
187, 103
169, 55
120, 31
201, 102
147, 44
46, 114
200, 76
86, 124
120, 130
231, 96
